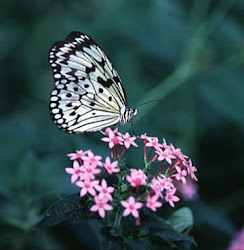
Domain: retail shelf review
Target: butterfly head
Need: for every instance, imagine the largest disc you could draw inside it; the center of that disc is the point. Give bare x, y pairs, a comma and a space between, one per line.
127, 115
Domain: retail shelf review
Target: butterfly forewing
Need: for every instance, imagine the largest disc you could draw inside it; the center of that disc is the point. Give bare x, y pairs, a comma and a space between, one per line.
89, 94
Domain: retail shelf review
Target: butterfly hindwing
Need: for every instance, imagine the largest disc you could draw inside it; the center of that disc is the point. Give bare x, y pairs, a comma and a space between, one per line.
89, 94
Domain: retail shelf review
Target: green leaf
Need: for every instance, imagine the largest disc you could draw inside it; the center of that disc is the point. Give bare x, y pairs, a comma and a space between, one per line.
142, 243
164, 235
70, 209
181, 220
153, 217
107, 241
107, 244
172, 237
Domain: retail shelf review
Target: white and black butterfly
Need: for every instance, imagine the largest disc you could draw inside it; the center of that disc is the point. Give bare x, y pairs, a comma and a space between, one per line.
89, 94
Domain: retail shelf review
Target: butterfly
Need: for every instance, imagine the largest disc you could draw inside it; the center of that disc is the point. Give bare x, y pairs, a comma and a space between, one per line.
88, 94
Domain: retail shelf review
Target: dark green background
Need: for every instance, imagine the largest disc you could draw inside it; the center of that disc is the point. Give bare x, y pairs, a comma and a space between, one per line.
188, 54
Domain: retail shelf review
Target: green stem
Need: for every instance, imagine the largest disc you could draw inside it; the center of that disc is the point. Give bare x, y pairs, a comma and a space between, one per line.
189, 65
181, 75
118, 217
199, 12
218, 14
147, 164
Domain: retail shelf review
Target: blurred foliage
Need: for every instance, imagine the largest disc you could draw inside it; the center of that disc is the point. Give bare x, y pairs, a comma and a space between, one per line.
188, 54
154, 231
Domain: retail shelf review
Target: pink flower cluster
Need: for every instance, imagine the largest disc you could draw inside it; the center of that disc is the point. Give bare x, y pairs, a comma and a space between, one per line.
86, 167
115, 139
164, 168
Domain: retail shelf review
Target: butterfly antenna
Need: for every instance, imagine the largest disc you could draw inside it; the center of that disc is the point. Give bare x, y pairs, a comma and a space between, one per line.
146, 103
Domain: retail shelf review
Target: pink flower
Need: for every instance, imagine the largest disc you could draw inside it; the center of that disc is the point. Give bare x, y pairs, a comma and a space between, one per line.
164, 145
136, 178
131, 206
87, 186
75, 171
155, 186
153, 142
144, 137
107, 130
127, 140
238, 242
165, 155
89, 171
111, 167
77, 155
177, 152
188, 190
191, 169
180, 175
165, 183
170, 197
112, 139
152, 202
93, 160
100, 206
105, 191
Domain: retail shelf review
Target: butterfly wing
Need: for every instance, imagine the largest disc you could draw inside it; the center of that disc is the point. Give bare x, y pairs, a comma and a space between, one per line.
89, 94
